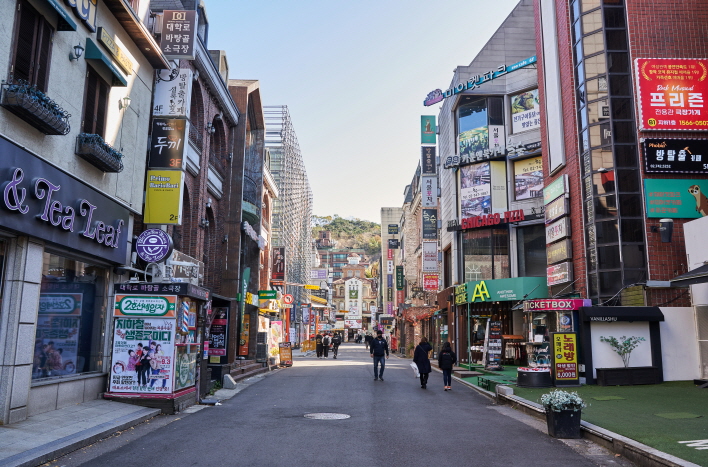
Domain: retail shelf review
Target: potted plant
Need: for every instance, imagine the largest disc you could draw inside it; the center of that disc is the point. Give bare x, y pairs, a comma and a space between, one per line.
563, 411
626, 375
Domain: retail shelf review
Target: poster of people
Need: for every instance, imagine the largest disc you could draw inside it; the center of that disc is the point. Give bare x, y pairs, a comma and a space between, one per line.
143, 354
525, 111
528, 178
475, 190
56, 341
471, 141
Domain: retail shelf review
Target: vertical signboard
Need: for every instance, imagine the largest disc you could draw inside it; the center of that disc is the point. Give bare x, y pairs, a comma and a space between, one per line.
430, 224
565, 359
172, 98
163, 197
245, 321
430, 256
427, 129
430, 282
427, 162
218, 334
429, 191
393, 229
399, 277
179, 34
167, 142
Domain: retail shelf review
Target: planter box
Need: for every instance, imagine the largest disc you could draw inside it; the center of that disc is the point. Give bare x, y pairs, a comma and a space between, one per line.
29, 109
533, 379
628, 376
93, 149
564, 424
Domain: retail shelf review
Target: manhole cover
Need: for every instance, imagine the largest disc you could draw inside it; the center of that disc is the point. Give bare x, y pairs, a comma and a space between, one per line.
326, 416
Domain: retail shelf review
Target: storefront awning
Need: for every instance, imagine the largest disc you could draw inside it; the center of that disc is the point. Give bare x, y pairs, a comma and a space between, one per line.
695, 276
65, 22
103, 61
318, 299
610, 314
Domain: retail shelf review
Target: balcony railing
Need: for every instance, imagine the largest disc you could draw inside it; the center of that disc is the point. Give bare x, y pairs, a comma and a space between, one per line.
34, 107
99, 153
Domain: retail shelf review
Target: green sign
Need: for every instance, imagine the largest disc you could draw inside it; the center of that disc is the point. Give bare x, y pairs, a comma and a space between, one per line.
399, 277
461, 294
558, 188
267, 294
353, 294
427, 129
502, 290
678, 199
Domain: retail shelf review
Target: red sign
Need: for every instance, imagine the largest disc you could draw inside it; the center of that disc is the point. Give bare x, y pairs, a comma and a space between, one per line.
672, 93
559, 304
430, 282
288, 299
400, 296
390, 253
492, 219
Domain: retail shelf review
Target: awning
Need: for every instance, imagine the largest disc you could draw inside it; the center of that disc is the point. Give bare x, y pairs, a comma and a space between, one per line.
609, 314
695, 276
102, 61
65, 21
316, 299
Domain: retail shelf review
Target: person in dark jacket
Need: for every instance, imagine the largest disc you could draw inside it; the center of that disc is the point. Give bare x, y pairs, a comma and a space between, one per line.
368, 339
378, 348
336, 341
420, 358
318, 345
446, 360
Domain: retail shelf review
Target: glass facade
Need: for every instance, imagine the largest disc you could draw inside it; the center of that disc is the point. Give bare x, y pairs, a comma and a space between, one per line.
531, 250
485, 254
606, 128
70, 323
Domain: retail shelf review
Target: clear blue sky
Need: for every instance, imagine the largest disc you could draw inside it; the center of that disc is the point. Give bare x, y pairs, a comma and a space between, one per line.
354, 75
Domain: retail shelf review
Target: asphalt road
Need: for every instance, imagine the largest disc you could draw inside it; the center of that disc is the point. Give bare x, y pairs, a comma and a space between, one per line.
390, 423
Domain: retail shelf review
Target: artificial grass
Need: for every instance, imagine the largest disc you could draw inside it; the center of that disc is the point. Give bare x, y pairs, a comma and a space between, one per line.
632, 413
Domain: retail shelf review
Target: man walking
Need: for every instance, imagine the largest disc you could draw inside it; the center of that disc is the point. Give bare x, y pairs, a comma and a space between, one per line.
378, 348
325, 344
336, 340
318, 345
368, 339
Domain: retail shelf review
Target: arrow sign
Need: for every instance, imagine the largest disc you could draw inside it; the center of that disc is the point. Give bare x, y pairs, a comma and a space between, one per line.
288, 299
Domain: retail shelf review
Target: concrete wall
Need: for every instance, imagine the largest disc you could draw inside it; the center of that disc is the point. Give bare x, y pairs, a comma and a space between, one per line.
679, 347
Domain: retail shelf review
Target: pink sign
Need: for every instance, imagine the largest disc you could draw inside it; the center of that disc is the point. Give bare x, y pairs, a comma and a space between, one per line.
558, 304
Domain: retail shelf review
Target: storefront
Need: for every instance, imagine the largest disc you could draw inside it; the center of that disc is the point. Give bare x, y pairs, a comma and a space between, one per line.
63, 239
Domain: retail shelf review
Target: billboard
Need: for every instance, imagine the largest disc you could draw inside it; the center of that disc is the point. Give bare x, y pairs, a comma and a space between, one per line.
278, 263
675, 155
676, 199
163, 197
525, 111
430, 256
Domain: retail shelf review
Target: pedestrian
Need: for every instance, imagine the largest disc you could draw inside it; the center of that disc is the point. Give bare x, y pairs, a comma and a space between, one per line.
446, 360
420, 358
318, 345
379, 348
336, 340
325, 344
368, 339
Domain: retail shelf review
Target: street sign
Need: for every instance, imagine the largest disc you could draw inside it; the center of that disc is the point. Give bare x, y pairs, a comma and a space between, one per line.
312, 287
267, 294
288, 299
286, 306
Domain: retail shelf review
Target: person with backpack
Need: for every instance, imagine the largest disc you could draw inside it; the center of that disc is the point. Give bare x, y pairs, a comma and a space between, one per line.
420, 358
336, 340
446, 360
325, 344
318, 345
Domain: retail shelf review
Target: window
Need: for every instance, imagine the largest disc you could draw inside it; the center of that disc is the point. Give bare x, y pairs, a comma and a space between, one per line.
33, 44
473, 132
69, 339
531, 246
95, 104
486, 254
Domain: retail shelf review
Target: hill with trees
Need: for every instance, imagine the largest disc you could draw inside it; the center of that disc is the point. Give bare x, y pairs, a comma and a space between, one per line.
350, 233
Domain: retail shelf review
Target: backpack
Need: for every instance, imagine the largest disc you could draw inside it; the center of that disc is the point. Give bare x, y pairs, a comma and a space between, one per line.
325, 340
446, 359
336, 340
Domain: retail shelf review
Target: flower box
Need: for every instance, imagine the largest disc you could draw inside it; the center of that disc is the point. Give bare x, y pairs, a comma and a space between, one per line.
34, 107
564, 424
99, 153
628, 376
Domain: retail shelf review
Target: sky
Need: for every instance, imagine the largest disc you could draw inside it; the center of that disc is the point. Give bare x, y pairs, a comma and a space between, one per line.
354, 75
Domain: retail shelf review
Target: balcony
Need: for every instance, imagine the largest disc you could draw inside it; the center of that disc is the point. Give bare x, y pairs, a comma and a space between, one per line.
34, 107
99, 153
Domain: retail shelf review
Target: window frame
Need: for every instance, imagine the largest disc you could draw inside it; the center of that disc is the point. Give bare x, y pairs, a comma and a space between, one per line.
36, 74
100, 84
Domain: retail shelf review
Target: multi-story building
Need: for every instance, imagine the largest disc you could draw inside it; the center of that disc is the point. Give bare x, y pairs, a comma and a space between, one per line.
354, 296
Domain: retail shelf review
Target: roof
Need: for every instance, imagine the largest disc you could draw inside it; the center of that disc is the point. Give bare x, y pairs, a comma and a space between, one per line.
694, 276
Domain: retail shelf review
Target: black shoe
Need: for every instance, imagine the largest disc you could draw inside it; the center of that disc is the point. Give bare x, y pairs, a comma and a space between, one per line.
381, 378
376, 379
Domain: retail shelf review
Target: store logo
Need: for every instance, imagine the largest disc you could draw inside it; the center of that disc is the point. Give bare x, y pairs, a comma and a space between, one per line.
56, 303
153, 245
480, 291
141, 306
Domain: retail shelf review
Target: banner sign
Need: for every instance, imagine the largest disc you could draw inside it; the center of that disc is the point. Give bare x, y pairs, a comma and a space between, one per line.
501, 290
399, 277
671, 93
279, 263
179, 34
430, 224
525, 111
430, 282
556, 304
389, 267
163, 197
427, 129
389, 253
393, 229
393, 243
167, 142
678, 199
319, 274
676, 155
429, 191
219, 332
389, 280
558, 187
164, 306
143, 355
430, 256
528, 178
555, 209
172, 98
428, 162
565, 358
558, 230
352, 324
559, 273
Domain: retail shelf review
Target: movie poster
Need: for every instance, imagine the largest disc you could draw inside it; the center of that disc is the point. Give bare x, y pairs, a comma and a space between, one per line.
57, 338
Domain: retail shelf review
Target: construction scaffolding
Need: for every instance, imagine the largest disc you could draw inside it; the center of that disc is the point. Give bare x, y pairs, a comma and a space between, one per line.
292, 210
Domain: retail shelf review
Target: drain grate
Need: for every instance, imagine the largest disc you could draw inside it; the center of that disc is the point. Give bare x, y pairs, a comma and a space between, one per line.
326, 416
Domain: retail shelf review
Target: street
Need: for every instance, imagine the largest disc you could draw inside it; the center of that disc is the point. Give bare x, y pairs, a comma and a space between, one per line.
393, 422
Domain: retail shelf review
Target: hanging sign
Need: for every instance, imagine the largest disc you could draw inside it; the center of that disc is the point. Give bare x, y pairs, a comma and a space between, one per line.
429, 191
153, 245
179, 34
427, 163
172, 98
163, 197
167, 142
427, 129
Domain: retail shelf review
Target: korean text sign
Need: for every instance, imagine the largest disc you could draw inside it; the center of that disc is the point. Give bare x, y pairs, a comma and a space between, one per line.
179, 33
565, 358
672, 93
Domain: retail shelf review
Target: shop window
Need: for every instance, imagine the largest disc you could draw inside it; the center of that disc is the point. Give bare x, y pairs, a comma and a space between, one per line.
72, 308
95, 104
485, 254
33, 43
633, 256
472, 126
531, 248
606, 232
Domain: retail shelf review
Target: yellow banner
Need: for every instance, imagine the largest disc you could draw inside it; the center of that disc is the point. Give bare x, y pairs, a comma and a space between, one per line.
163, 197
318, 300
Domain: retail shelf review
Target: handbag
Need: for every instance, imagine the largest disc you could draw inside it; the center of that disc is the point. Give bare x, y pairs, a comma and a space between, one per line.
415, 370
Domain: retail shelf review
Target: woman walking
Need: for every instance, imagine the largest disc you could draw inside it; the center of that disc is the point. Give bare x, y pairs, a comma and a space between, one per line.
446, 360
420, 357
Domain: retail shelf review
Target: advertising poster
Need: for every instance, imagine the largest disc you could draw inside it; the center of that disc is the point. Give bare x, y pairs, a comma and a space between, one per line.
244, 336
565, 358
354, 312
143, 352
427, 129
286, 353
56, 341
528, 178
475, 190
163, 197
473, 140
676, 155
678, 199
219, 331
352, 324
275, 338
671, 93
279, 263
525, 111
428, 162
185, 366
430, 282
430, 256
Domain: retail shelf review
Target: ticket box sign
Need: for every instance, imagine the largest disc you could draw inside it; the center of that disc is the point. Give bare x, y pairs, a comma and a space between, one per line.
161, 306
565, 359
556, 304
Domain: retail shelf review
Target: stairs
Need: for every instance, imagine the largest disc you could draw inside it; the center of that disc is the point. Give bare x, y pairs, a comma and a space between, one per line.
246, 368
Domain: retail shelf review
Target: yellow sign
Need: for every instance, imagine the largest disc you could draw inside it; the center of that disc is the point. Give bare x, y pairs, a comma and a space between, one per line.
163, 197
121, 57
312, 287
480, 291
461, 294
318, 300
565, 356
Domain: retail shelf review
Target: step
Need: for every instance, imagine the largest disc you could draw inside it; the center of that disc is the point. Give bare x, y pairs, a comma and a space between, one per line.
467, 373
242, 376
